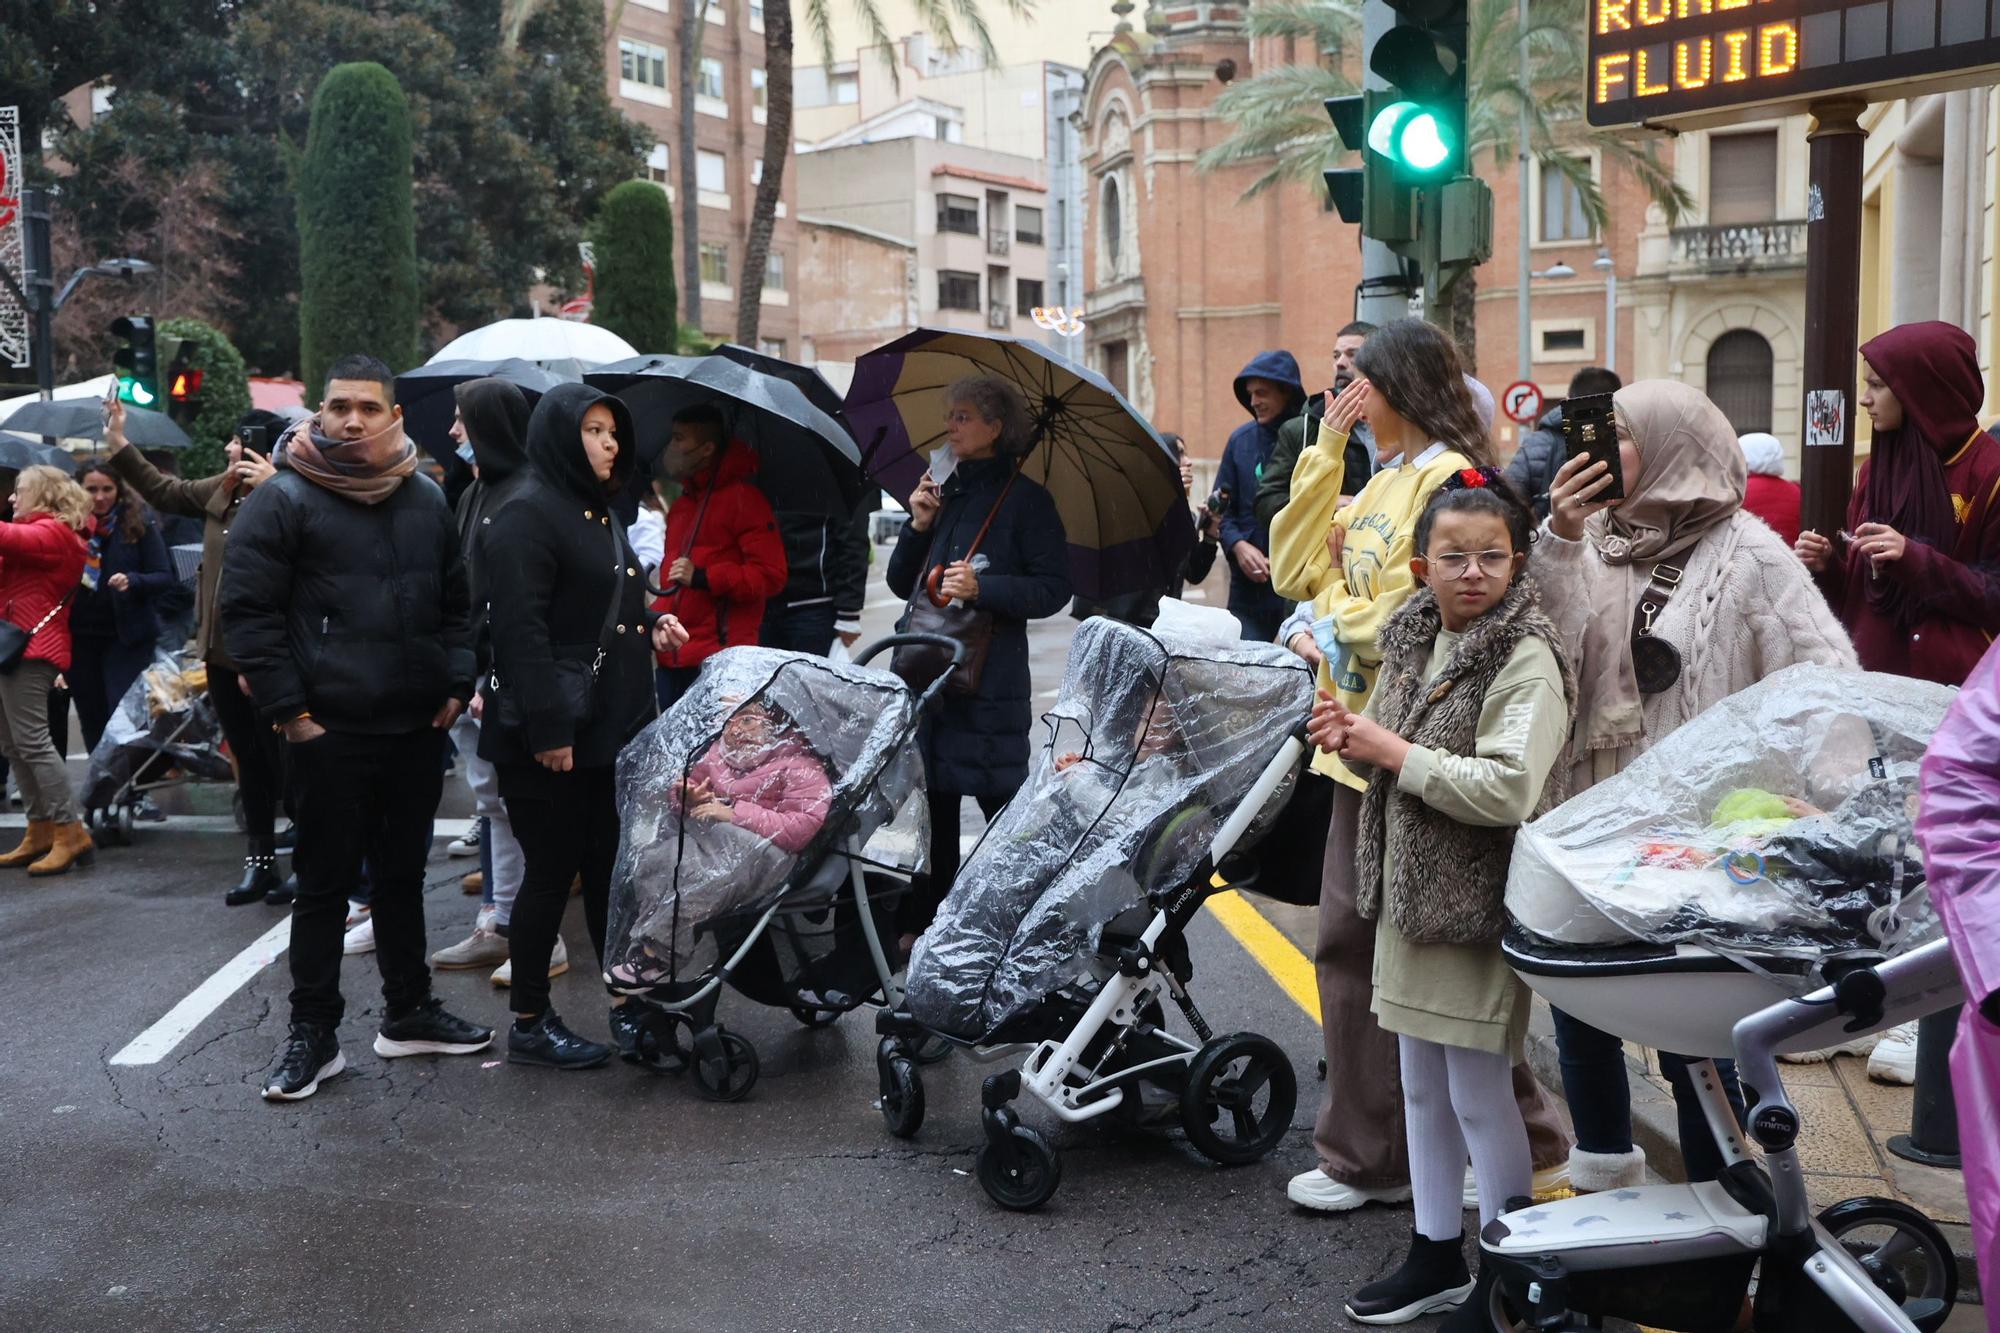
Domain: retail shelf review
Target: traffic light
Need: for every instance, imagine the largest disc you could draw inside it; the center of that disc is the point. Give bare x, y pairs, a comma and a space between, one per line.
183, 384
1370, 194
137, 362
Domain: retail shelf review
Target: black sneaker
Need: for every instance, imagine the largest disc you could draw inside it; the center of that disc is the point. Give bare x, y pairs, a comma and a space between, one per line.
625, 1027
259, 882
550, 1044
1432, 1278
311, 1055
281, 895
149, 812
427, 1029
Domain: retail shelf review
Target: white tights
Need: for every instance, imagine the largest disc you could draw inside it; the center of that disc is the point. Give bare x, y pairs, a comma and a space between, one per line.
1458, 1100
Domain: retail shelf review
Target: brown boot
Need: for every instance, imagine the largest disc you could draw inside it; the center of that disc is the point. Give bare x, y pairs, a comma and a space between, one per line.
73, 847
41, 837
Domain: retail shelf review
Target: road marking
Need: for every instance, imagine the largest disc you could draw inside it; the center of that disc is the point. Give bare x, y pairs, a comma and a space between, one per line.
159, 1040
1277, 955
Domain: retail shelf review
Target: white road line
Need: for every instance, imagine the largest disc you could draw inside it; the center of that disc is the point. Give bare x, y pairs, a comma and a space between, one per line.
881, 602
159, 1040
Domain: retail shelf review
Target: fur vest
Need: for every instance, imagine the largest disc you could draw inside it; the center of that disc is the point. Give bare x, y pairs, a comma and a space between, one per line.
1451, 878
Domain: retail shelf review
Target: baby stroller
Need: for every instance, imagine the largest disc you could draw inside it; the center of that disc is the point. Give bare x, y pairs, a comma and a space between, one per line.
1749, 886
771, 822
1068, 921
163, 734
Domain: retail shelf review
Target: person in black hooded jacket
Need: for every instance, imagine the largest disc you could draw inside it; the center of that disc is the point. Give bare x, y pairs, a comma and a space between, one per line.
568, 604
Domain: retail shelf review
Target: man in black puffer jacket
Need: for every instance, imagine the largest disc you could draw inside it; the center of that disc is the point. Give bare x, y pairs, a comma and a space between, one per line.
826, 583
345, 605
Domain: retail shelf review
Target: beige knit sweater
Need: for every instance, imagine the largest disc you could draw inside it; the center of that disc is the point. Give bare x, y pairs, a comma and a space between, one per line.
1745, 607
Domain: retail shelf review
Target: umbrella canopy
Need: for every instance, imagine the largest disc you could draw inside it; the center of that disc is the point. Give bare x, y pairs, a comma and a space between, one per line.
429, 403
1114, 481
809, 462
93, 389
558, 344
18, 451
83, 419
808, 381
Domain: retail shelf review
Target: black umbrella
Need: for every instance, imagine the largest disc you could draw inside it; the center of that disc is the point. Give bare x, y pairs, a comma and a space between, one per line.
809, 381
83, 419
17, 452
809, 461
429, 404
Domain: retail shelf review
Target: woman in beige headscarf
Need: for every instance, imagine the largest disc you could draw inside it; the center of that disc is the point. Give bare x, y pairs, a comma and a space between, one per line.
1738, 606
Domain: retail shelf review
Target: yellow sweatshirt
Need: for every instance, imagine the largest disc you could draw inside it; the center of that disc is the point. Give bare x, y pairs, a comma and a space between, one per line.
1374, 578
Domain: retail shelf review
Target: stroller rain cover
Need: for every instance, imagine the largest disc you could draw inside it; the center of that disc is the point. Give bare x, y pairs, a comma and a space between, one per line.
806, 754
162, 721
1777, 824
1169, 735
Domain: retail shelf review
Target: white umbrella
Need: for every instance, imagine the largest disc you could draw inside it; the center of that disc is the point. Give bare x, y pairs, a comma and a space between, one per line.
84, 389
561, 345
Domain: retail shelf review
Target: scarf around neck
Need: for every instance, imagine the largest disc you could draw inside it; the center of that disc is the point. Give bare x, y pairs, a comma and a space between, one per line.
367, 470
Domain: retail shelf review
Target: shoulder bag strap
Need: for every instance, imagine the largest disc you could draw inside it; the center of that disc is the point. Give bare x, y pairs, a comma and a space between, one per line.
618, 577
936, 574
42, 624
1665, 579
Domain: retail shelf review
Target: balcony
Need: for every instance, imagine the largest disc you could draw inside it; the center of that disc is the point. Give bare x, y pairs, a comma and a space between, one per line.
996, 243
1740, 247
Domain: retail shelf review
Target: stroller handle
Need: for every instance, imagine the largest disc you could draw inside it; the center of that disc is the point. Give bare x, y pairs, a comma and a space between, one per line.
892, 641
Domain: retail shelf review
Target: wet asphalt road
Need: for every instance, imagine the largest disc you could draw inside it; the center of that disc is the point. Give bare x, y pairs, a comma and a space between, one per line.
460, 1193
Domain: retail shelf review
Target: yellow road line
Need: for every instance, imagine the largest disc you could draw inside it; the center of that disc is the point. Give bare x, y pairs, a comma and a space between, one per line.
1276, 954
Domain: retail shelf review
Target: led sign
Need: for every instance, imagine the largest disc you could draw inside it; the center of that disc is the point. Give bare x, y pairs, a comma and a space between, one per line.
1689, 63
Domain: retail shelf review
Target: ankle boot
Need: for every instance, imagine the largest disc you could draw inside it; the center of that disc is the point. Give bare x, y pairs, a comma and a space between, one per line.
1475, 1316
1433, 1278
260, 877
73, 847
41, 837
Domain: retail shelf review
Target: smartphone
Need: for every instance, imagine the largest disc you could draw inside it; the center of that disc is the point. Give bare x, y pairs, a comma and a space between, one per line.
256, 437
110, 397
1590, 427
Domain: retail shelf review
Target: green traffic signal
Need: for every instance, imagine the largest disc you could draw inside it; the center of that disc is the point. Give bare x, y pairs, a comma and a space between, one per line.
137, 363
1412, 136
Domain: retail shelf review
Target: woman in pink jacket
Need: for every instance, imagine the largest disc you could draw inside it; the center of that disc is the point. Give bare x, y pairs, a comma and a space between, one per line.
1959, 828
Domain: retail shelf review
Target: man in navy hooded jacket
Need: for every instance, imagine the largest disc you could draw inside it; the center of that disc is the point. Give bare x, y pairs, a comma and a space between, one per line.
1270, 390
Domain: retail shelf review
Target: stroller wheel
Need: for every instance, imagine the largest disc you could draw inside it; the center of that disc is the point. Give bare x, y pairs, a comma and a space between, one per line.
1903, 1253
126, 818
815, 1018
725, 1065
1239, 1098
1021, 1171
660, 1047
902, 1090
929, 1049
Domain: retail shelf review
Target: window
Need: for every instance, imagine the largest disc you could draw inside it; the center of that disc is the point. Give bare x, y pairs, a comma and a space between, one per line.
1742, 178
846, 89
1027, 225
642, 63
1114, 223
1562, 208
1565, 340
760, 92
1118, 366
1739, 379
1027, 295
771, 346
957, 291
715, 263
774, 272
656, 166
756, 15
955, 212
711, 172
757, 172
709, 82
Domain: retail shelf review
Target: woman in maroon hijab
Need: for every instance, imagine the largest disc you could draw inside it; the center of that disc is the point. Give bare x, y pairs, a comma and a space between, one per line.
1916, 576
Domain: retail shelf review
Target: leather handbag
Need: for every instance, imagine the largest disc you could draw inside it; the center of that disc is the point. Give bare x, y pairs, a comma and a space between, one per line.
1656, 664
930, 612
575, 679
14, 640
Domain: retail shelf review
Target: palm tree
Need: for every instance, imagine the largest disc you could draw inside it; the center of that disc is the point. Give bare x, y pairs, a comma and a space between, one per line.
941, 17
1281, 124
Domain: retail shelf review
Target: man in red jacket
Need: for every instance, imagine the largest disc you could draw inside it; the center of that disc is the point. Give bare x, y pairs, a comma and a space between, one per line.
723, 554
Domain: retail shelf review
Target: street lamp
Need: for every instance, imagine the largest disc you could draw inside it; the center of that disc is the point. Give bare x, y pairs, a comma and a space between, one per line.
1557, 270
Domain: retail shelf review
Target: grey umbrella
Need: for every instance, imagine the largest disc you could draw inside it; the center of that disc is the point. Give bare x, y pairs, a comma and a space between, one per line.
83, 419
18, 451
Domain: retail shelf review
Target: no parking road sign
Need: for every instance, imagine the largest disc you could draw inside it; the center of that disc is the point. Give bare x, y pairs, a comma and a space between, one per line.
1522, 402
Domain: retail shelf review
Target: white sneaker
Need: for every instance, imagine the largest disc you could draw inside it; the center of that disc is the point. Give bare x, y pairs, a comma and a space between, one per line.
1859, 1046
356, 913
1895, 1056
483, 948
465, 845
361, 939
1316, 1190
503, 975
1550, 1180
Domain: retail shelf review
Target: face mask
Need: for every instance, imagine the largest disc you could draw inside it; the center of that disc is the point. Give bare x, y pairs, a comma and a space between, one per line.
465, 452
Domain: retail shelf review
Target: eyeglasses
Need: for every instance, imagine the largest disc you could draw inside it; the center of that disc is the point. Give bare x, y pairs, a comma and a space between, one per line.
1457, 564
961, 418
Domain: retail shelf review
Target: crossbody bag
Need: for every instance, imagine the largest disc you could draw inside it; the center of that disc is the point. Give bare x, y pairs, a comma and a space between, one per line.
929, 612
575, 681
14, 640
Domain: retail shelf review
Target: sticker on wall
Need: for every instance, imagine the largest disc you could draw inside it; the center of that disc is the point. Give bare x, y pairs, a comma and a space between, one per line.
1826, 418
1815, 204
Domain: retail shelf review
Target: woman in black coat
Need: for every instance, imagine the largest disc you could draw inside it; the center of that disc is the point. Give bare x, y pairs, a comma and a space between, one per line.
112, 622
565, 592
977, 745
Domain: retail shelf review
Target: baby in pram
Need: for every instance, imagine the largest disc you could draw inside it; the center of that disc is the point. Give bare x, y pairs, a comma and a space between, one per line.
732, 827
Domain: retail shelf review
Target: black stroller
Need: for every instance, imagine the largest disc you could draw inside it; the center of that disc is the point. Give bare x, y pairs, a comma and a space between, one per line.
1165, 762
771, 822
164, 734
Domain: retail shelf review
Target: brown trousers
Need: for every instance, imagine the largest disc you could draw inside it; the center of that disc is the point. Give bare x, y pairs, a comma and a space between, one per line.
1360, 1136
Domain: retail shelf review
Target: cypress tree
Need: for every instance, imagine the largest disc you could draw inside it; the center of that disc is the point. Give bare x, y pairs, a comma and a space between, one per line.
635, 296
357, 239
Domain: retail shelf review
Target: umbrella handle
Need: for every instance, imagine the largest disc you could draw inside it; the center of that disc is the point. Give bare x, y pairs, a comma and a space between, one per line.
932, 582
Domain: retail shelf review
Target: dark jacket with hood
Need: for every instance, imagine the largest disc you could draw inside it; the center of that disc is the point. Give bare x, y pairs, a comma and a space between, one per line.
132, 616
549, 557
1535, 463
496, 425
826, 554
1243, 463
978, 745
723, 524
1298, 433
357, 613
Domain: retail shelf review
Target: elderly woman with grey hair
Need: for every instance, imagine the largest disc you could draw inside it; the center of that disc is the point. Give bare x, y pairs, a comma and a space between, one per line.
976, 744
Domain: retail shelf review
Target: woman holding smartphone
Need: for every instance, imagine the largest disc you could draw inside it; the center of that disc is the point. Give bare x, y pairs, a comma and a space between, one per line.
215, 501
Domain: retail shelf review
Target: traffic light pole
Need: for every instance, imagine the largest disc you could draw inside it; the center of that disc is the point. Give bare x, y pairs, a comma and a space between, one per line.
1384, 294
1833, 311
41, 292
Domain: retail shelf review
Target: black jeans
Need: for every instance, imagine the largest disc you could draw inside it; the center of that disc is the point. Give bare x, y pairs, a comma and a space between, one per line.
101, 669
354, 797
928, 890
798, 629
259, 755
567, 824
1600, 1098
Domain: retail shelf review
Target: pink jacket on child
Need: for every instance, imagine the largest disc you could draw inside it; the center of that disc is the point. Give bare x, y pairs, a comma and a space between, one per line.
784, 796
